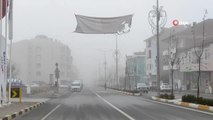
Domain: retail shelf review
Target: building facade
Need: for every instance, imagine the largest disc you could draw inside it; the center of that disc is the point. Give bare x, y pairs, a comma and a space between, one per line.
189, 46
35, 59
135, 70
151, 54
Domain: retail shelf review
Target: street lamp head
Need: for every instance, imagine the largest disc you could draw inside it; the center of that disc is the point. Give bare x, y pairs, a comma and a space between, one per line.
155, 14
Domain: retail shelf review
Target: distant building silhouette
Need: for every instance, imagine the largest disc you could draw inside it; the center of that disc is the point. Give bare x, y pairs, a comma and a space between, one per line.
35, 59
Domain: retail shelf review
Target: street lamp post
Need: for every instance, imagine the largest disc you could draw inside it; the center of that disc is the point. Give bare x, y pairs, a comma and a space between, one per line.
57, 71
116, 57
105, 67
160, 16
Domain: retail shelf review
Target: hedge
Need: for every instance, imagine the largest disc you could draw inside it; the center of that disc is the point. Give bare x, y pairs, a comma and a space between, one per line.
167, 96
200, 100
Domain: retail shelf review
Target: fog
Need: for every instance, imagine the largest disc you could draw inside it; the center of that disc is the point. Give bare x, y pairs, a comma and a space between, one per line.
55, 19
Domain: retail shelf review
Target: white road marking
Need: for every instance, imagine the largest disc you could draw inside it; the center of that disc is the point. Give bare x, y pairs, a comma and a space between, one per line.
48, 114
119, 110
204, 112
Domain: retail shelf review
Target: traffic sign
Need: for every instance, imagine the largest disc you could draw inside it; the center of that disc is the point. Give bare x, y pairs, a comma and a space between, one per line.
15, 92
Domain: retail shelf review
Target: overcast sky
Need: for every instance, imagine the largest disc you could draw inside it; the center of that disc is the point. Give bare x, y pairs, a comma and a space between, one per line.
55, 18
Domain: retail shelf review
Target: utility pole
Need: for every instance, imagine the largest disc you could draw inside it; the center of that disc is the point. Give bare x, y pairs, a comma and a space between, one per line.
0, 49
10, 36
158, 49
105, 66
57, 75
116, 60
157, 19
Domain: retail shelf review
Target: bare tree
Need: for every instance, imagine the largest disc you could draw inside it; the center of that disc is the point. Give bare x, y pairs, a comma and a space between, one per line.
199, 51
172, 56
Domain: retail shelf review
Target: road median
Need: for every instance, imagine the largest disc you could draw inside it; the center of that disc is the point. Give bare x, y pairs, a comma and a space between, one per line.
127, 92
185, 104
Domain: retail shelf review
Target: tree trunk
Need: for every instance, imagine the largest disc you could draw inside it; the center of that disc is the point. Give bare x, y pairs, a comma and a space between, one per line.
172, 80
198, 80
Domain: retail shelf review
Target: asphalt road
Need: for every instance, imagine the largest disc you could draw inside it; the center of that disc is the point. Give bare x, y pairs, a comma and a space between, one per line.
97, 104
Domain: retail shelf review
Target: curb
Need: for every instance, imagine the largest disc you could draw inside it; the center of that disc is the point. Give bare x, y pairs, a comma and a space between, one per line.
21, 112
186, 104
163, 100
128, 93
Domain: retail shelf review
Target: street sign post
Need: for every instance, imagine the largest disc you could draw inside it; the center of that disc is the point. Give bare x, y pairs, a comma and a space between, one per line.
16, 93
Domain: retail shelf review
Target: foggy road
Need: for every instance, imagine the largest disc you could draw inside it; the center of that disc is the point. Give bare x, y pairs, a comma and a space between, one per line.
97, 104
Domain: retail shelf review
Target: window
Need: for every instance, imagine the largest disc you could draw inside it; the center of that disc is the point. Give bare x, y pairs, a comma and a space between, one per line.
29, 64
147, 66
38, 73
149, 43
29, 52
38, 65
38, 49
182, 59
195, 59
63, 57
38, 58
30, 48
189, 56
207, 54
150, 53
29, 56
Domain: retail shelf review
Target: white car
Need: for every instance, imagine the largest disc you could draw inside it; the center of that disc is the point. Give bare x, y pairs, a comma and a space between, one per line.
165, 87
76, 86
64, 86
142, 87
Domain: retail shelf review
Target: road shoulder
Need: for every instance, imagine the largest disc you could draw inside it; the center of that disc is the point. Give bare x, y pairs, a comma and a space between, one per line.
185, 104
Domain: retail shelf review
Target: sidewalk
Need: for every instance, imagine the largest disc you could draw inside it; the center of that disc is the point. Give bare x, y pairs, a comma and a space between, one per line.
26, 105
29, 102
14, 107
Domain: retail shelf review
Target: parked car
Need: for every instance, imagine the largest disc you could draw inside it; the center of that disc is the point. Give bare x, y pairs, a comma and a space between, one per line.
165, 87
142, 87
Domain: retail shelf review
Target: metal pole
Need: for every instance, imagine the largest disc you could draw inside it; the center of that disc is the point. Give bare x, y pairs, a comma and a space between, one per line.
105, 63
116, 53
10, 38
99, 73
0, 48
5, 59
6, 38
158, 50
10, 77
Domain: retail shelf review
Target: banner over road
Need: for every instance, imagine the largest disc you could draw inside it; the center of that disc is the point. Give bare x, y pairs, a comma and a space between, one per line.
3, 9
104, 25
